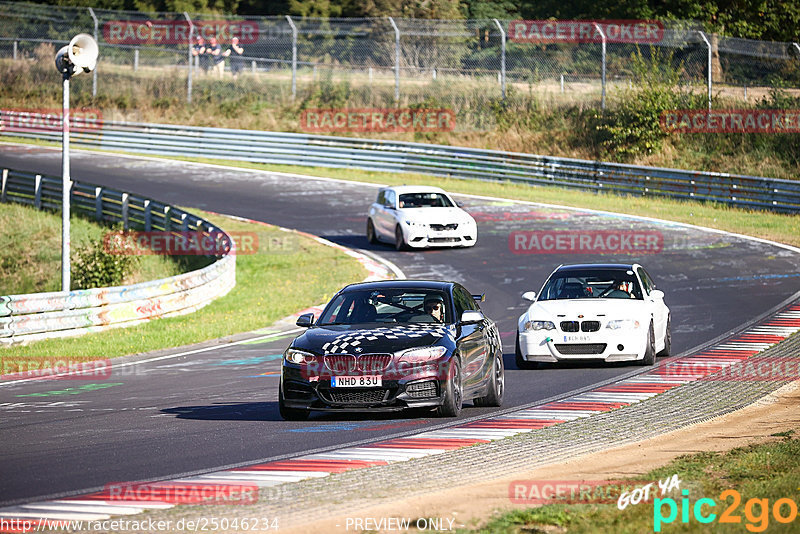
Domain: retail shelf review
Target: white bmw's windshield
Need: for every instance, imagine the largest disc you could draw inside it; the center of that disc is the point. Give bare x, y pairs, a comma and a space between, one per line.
425, 200
614, 284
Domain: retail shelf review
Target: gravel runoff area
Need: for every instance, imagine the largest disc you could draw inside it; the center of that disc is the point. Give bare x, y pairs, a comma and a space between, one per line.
349, 492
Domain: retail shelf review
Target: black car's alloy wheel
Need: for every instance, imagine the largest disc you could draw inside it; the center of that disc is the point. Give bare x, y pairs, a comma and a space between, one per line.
494, 394
453, 394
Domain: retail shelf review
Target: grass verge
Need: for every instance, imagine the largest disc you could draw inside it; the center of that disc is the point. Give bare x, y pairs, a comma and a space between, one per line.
274, 282
30, 251
761, 474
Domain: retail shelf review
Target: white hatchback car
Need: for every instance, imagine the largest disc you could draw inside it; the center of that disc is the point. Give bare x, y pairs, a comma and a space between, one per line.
608, 312
418, 217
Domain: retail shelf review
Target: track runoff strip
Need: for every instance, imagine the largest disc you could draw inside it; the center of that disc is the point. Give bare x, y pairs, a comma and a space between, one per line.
134, 498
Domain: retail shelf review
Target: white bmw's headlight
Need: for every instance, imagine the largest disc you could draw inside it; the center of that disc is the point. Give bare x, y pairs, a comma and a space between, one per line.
623, 323
412, 223
539, 325
298, 356
422, 354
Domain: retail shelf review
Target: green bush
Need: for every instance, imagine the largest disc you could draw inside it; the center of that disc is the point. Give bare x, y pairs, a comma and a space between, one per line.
94, 266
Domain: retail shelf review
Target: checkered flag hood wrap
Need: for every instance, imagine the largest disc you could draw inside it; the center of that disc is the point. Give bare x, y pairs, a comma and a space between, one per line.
349, 342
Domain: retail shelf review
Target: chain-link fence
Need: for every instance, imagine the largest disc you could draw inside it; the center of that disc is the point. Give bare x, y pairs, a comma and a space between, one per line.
385, 62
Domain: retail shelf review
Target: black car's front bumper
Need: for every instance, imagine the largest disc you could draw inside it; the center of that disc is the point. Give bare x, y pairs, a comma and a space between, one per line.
300, 392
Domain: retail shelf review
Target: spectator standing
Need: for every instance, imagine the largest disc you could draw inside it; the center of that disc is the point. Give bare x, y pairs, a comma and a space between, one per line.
216, 57
236, 54
199, 51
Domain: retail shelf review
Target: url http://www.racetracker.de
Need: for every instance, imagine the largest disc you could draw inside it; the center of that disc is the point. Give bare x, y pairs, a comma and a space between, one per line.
203, 524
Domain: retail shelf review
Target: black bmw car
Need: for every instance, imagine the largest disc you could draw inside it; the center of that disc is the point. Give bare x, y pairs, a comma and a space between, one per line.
394, 345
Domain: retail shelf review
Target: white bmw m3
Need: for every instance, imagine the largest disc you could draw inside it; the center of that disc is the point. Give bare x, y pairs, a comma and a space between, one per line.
607, 312
419, 217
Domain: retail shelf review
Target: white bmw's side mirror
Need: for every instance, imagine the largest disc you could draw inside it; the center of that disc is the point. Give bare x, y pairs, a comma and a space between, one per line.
657, 294
529, 295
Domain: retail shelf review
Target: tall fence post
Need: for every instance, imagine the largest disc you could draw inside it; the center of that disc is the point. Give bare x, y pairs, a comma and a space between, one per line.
708, 44
502, 57
396, 60
603, 71
189, 76
15, 51
94, 72
294, 56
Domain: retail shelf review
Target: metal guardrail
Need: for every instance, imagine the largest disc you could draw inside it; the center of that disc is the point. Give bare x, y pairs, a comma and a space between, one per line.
458, 162
38, 316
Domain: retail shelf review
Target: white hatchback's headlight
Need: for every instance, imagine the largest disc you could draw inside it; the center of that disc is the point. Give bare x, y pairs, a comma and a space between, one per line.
298, 356
539, 325
623, 323
421, 354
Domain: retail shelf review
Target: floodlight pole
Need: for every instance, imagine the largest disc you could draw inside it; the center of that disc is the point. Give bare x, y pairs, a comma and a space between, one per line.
66, 187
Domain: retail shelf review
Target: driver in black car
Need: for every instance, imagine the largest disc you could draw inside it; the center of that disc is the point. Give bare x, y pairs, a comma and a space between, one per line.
434, 306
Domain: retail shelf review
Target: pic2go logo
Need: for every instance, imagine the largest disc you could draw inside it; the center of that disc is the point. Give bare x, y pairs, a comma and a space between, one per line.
756, 511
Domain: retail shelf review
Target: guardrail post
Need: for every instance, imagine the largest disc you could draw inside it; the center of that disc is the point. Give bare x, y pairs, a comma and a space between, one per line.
94, 72
37, 192
125, 206
148, 217
294, 56
603, 73
184, 222
98, 203
3, 186
167, 217
708, 44
189, 64
396, 60
502, 57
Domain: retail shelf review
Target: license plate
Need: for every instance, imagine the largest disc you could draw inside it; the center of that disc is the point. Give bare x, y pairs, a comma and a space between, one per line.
579, 339
367, 381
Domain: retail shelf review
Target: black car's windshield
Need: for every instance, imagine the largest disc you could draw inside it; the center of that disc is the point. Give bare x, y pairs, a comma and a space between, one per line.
590, 283
425, 200
390, 305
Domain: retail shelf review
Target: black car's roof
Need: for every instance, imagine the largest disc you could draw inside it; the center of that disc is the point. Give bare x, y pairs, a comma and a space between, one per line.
596, 266
401, 284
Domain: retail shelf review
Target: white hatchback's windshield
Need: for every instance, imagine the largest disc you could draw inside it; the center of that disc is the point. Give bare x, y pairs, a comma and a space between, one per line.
424, 200
390, 305
612, 284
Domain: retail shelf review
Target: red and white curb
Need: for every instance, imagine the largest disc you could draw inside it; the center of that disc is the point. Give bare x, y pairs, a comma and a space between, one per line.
102, 505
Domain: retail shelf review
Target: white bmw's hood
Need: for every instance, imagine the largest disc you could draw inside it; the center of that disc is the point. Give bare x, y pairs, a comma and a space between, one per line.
436, 215
607, 309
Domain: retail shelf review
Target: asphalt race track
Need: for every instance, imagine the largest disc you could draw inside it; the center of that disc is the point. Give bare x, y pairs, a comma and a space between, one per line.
218, 407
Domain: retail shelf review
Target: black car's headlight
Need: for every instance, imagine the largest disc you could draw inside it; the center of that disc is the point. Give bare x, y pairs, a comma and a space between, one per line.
421, 354
298, 356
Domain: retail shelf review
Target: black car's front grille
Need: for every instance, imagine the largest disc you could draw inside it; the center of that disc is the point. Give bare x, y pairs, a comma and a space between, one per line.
372, 363
575, 326
421, 390
590, 326
443, 227
580, 348
342, 364
364, 397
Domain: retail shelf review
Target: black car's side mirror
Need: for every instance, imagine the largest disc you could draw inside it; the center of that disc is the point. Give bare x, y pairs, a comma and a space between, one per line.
471, 317
306, 320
